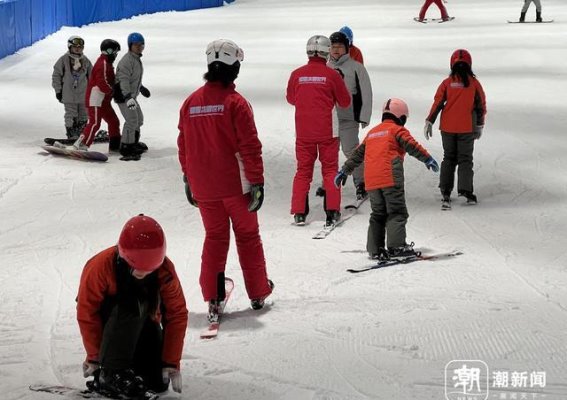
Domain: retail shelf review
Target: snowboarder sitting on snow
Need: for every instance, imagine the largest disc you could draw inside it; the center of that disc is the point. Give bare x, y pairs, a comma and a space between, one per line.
69, 80
525, 10
460, 100
383, 151
221, 160
132, 314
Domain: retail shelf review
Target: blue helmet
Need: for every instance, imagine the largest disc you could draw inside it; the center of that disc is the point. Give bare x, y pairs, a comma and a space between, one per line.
348, 33
135, 37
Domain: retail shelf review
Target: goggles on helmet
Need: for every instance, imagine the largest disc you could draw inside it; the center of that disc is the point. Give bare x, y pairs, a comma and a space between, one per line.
79, 42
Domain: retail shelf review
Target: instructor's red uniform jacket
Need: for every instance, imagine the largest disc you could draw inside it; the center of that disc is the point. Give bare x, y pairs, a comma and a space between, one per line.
219, 150
98, 281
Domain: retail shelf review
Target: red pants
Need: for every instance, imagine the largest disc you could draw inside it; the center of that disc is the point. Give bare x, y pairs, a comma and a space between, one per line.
96, 115
438, 3
217, 217
306, 154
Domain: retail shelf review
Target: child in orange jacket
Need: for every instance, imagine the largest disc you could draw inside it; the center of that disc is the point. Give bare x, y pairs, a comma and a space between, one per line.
382, 152
461, 101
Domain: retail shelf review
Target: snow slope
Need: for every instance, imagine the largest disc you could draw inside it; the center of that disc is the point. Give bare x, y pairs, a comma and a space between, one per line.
386, 334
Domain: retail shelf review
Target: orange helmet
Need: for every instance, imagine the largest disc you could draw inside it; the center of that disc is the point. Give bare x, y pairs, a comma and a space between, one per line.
461, 55
142, 243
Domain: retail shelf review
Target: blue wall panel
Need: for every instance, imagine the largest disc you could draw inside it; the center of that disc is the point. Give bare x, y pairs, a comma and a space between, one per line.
23, 22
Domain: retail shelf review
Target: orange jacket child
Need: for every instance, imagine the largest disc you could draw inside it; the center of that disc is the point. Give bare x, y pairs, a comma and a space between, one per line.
383, 150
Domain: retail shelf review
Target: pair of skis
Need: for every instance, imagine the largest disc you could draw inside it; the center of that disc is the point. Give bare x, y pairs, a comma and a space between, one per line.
405, 260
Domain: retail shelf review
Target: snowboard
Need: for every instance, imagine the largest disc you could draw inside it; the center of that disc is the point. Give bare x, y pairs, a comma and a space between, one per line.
74, 393
101, 137
212, 330
76, 154
405, 260
429, 20
531, 22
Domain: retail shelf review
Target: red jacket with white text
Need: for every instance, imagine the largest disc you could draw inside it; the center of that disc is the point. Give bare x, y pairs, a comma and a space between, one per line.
314, 89
219, 150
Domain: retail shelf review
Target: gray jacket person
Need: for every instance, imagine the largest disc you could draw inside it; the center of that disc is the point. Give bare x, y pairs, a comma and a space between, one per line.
69, 80
129, 73
360, 111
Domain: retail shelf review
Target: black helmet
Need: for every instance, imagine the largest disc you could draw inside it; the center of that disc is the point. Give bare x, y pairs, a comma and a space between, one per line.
339, 37
109, 47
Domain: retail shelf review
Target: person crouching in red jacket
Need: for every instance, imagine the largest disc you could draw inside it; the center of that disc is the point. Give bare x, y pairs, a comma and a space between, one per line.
314, 89
221, 160
132, 314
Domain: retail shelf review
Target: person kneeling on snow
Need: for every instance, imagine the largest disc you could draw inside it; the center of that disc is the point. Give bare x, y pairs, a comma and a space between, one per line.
382, 152
132, 314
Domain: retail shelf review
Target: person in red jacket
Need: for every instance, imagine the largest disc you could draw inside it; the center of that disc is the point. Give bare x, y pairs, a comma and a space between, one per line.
382, 152
132, 314
314, 89
354, 52
461, 101
221, 160
98, 97
439, 4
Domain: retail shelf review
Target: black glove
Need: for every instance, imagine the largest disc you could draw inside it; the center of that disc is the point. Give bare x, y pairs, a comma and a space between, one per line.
188, 193
59, 96
144, 91
340, 179
257, 194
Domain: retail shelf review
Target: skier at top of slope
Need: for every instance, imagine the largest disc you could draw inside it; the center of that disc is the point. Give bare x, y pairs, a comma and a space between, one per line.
132, 314
383, 150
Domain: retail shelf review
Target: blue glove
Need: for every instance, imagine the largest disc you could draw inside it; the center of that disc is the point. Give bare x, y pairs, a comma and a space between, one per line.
257, 194
340, 178
431, 164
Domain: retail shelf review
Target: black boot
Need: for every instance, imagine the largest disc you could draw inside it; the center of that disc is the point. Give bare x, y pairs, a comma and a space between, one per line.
140, 145
121, 382
538, 16
522, 17
130, 152
333, 216
114, 144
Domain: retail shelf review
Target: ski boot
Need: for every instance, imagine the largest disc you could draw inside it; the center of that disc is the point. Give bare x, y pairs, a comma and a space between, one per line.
361, 192
333, 216
471, 198
130, 152
522, 17
538, 16
299, 219
446, 202
381, 255
214, 311
258, 304
402, 252
121, 383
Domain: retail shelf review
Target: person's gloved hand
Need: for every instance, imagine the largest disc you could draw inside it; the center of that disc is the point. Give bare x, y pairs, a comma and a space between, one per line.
144, 91
172, 375
188, 193
431, 164
340, 178
59, 96
428, 129
478, 131
131, 104
257, 194
89, 367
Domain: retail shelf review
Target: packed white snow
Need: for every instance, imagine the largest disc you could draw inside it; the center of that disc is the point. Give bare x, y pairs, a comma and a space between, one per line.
327, 334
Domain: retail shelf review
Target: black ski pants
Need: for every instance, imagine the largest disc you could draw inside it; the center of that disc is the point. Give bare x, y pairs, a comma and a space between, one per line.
457, 152
131, 339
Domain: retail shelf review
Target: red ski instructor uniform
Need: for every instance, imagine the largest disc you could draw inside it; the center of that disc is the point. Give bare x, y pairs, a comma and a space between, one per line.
221, 156
314, 89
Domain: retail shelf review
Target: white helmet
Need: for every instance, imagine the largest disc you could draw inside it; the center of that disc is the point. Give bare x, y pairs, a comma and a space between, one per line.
318, 46
75, 41
225, 51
